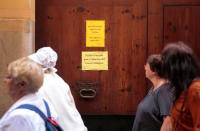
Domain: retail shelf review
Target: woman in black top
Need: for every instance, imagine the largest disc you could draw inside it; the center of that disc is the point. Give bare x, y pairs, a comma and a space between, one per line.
155, 107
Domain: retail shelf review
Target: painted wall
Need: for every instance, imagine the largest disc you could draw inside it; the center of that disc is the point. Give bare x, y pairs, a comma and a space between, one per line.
17, 31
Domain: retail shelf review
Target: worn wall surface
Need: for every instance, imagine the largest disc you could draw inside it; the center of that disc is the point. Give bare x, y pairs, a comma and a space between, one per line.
17, 30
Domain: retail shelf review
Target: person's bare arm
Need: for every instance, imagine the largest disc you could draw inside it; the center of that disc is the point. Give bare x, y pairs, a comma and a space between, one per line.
167, 125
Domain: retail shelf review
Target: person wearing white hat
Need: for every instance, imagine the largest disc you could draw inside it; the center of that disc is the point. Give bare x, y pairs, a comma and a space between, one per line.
57, 91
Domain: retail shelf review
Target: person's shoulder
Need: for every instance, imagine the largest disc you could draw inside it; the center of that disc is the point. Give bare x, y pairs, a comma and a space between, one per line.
16, 120
194, 92
24, 119
165, 87
20, 115
194, 87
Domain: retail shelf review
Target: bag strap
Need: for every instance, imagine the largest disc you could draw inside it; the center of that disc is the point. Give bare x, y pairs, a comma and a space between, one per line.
47, 108
37, 110
33, 108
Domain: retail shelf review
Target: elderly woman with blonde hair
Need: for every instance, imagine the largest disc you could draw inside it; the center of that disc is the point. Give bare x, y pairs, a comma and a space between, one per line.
57, 91
24, 79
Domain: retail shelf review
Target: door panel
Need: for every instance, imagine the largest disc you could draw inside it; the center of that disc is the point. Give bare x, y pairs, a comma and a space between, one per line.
182, 25
172, 21
62, 25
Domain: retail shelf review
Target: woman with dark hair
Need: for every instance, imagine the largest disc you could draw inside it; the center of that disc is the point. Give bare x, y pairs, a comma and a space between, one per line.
182, 69
155, 107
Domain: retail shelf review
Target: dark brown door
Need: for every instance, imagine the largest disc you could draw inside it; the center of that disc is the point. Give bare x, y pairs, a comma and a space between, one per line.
62, 25
134, 29
172, 21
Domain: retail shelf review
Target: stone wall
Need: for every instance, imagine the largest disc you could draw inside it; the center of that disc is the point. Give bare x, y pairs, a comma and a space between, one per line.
17, 31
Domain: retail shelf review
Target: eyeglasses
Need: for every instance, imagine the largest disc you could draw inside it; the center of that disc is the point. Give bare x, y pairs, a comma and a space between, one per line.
9, 77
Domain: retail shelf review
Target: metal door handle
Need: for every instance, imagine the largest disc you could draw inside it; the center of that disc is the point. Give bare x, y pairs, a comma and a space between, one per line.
87, 93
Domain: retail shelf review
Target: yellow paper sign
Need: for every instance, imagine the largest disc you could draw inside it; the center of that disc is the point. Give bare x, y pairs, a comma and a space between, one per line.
95, 33
95, 60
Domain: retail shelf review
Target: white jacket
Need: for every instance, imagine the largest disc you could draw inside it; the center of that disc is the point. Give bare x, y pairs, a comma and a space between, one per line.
58, 93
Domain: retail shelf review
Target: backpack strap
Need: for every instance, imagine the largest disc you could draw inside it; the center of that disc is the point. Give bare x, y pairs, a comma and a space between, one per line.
47, 108
50, 123
33, 108
37, 110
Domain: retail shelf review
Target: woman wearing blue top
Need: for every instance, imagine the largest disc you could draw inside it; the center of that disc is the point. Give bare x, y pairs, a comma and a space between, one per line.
155, 107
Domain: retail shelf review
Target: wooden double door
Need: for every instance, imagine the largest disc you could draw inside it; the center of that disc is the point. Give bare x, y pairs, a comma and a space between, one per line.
134, 29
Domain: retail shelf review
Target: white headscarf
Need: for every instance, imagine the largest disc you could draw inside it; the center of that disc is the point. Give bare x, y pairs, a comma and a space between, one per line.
46, 57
